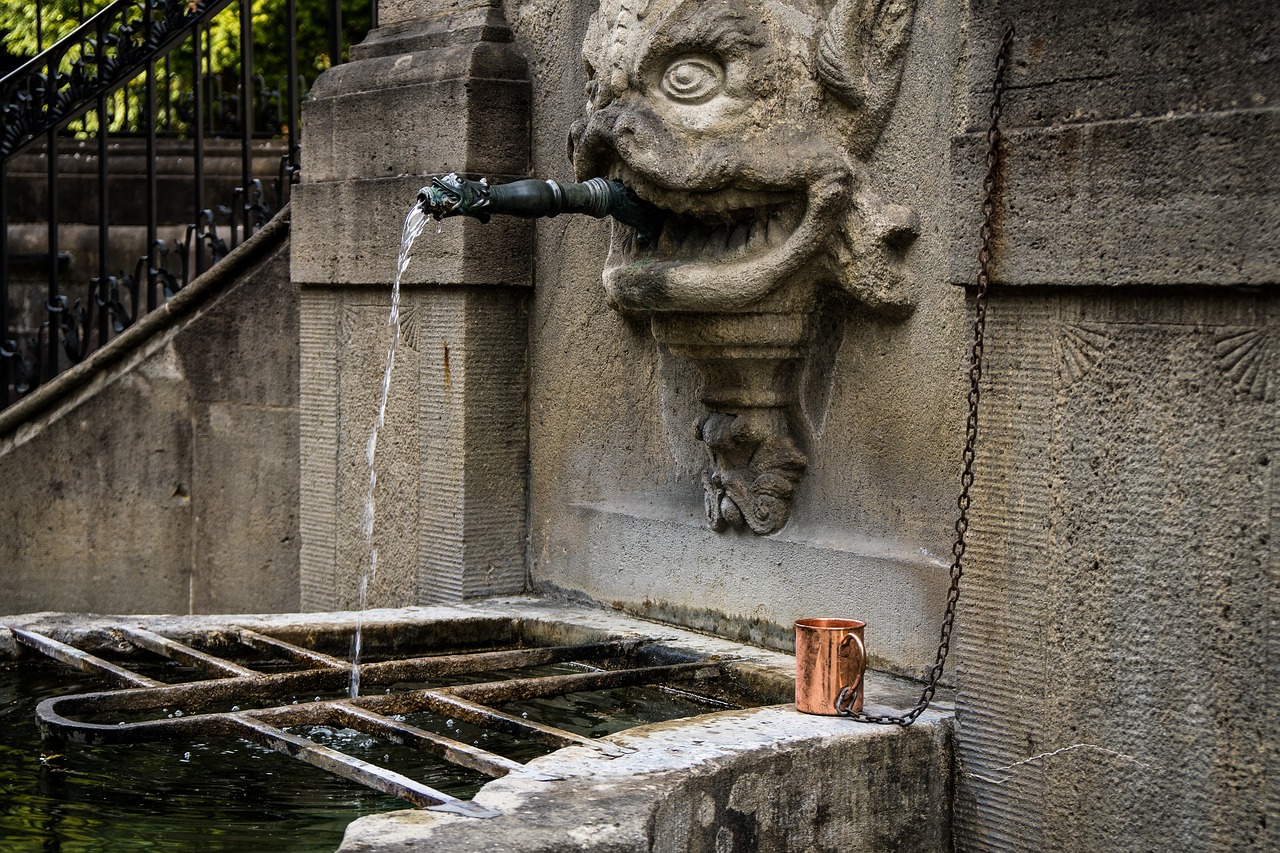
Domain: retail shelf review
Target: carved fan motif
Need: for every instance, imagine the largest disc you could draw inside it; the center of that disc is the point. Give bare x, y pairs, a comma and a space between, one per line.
410, 326
348, 323
1080, 347
1246, 358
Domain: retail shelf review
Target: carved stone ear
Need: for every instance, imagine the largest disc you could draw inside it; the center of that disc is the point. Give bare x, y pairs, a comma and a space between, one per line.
871, 254
860, 59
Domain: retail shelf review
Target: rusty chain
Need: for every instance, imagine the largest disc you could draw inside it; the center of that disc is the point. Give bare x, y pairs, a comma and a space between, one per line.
848, 696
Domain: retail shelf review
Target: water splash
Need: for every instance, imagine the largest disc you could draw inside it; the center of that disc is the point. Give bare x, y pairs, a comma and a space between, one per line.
414, 223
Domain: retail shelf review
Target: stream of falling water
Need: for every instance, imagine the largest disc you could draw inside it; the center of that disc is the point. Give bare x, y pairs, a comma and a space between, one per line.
414, 223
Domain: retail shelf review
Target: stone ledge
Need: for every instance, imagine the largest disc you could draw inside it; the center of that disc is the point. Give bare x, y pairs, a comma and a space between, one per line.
761, 779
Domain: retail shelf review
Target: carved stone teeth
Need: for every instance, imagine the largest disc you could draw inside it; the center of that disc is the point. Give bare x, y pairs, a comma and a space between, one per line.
724, 238
777, 233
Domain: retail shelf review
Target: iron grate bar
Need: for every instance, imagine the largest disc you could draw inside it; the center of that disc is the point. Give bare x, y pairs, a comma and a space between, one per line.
81, 660
174, 650
340, 764
473, 712
298, 654
520, 689
437, 666
351, 715
369, 722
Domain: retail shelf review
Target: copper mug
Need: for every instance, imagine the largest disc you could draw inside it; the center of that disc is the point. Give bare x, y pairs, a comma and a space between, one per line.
831, 656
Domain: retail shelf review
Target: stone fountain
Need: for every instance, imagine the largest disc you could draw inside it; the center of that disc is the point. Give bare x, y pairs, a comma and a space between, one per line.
756, 416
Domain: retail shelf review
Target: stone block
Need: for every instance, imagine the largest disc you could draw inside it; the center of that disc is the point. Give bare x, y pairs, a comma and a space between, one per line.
97, 516
1099, 61
761, 779
676, 570
160, 475
337, 244
392, 12
1171, 201
244, 509
1117, 689
451, 458
258, 327
456, 108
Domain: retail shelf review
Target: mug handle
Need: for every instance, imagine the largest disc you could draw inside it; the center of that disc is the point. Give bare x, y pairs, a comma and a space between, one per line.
848, 697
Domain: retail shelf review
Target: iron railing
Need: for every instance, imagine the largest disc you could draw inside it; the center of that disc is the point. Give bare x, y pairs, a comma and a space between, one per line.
132, 159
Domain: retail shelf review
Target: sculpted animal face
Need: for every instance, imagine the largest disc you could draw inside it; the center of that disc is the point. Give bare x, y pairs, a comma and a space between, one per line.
748, 121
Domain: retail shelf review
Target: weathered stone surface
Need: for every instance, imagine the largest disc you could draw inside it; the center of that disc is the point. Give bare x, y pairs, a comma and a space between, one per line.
620, 554
160, 475
97, 510
244, 505
1119, 682
1117, 689
616, 470
1097, 61
1170, 201
766, 779
451, 457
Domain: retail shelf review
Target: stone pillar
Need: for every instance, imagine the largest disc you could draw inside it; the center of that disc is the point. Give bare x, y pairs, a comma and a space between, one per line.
438, 87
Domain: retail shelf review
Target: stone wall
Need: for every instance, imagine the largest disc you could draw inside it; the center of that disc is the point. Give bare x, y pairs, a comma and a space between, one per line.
1119, 674
161, 475
616, 503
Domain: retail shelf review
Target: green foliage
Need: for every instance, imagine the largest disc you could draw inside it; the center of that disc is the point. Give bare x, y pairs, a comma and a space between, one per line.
21, 37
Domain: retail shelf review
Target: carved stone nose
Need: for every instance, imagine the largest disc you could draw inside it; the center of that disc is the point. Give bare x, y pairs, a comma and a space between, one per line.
592, 139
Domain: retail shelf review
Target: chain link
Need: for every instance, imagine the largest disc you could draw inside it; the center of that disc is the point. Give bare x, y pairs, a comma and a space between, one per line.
848, 696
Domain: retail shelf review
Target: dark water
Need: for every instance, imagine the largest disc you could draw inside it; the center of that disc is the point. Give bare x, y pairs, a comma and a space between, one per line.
230, 795
219, 795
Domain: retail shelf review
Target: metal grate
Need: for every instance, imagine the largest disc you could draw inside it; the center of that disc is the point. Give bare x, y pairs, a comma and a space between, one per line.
61, 719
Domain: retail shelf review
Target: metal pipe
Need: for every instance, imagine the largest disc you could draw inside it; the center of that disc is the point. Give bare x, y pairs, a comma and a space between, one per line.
52, 303
532, 198
291, 22
335, 32
103, 295
152, 191
197, 133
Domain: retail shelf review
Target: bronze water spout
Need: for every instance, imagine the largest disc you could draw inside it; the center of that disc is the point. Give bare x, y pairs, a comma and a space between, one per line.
533, 198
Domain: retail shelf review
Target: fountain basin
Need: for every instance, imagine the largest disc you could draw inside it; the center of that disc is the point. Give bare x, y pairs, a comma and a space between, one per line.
763, 777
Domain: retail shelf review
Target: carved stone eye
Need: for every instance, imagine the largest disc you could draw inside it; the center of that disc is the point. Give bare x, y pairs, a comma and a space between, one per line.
692, 79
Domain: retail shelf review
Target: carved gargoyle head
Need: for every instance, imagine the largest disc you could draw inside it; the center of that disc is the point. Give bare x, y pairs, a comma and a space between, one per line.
749, 121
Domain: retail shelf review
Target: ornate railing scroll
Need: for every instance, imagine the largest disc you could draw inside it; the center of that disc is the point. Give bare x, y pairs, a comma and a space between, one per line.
133, 84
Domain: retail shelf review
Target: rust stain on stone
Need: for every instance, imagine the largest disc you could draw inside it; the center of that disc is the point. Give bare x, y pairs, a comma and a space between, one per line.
448, 375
